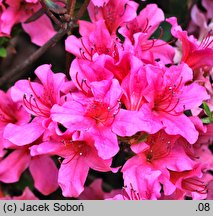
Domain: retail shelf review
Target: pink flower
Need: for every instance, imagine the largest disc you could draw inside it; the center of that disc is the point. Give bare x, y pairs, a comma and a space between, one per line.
19, 12
168, 95
146, 23
114, 13
95, 41
37, 98
26, 195
84, 72
79, 155
190, 183
195, 54
162, 153
10, 112
138, 32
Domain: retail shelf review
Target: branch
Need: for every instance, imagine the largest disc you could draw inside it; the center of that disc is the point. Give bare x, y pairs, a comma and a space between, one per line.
50, 14
20, 70
71, 9
82, 9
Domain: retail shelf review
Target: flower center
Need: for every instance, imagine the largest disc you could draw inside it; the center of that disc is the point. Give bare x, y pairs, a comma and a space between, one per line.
88, 52
79, 148
168, 100
39, 106
101, 112
160, 147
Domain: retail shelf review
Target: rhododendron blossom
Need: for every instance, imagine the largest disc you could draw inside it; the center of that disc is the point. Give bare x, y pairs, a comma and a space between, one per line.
128, 117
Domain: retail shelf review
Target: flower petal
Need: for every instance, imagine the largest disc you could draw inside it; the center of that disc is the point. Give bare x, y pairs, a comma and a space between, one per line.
45, 174
14, 165
72, 176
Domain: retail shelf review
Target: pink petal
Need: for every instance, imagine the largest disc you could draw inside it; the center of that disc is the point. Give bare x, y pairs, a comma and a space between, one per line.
110, 91
50, 148
23, 134
117, 8
9, 17
72, 176
46, 30
89, 71
14, 165
200, 58
71, 115
22, 87
106, 142
48, 78
45, 174
181, 125
73, 45
97, 163
93, 191
189, 98
127, 123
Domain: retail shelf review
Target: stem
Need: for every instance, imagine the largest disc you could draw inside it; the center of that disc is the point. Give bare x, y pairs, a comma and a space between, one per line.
50, 14
72, 8
20, 69
82, 9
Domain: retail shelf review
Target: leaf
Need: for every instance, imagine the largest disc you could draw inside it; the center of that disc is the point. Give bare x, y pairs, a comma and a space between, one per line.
207, 120
3, 52
207, 109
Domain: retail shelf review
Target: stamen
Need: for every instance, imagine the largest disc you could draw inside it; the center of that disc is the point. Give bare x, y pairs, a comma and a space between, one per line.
194, 185
81, 84
146, 26
146, 48
168, 101
159, 147
102, 113
86, 50
190, 151
134, 195
206, 42
34, 108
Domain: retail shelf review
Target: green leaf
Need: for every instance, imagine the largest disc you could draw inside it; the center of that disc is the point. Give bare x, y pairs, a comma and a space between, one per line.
207, 120
207, 109
3, 52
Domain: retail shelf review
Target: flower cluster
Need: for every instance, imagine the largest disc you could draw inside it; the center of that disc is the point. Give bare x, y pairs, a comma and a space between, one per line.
130, 93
